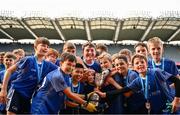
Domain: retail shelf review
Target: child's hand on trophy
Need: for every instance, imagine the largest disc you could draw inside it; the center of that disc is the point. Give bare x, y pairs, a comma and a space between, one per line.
101, 94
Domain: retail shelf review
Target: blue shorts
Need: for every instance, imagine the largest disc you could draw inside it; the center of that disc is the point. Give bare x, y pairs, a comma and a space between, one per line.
17, 103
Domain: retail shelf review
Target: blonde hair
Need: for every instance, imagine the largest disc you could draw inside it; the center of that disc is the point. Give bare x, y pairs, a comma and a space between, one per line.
19, 51
105, 56
52, 51
114, 56
154, 40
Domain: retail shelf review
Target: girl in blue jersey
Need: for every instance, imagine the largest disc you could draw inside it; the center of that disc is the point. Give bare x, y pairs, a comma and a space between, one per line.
9, 60
49, 98
153, 84
31, 70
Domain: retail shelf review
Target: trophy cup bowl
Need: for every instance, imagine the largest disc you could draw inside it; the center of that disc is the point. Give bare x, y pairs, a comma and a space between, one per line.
94, 97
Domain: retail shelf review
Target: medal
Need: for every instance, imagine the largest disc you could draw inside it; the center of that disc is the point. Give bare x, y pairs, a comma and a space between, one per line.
148, 105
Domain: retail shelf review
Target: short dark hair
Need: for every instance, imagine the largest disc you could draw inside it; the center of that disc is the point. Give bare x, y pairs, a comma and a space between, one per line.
123, 57
140, 56
101, 46
10, 55
67, 56
41, 40
140, 44
2, 53
89, 44
78, 65
69, 45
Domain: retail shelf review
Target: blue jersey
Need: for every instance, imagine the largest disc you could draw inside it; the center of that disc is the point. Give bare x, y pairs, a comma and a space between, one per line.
88, 88
50, 96
2, 67
95, 66
79, 88
58, 62
12, 77
166, 65
136, 100
116, 104
155, 89
29, 75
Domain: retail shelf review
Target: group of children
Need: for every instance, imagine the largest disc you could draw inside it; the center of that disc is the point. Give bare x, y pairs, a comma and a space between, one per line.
46, 83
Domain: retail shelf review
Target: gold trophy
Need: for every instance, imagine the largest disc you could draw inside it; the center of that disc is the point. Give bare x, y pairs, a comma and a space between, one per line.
94, 97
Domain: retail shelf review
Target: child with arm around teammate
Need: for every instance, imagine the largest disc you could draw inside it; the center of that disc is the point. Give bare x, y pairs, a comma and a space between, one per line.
153, 83
31, 71
49, 99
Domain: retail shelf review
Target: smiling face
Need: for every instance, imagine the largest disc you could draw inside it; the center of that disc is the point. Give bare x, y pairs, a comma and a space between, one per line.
8, 62
89, 54
41, 49
156, 51
105, 63
140, 65
67, 66
121, 66
52, 58
141, 50
77, 74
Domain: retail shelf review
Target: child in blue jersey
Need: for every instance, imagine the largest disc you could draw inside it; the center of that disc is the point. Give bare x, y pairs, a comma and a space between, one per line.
155, 47
76, 87
115, 105
9, 60
153, 84
89, 83
89, 54
133, 102
130, 102
71, 48
31, 70
49, 98
2, 67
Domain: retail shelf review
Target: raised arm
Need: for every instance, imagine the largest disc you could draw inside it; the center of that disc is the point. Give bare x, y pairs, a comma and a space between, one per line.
113, 93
